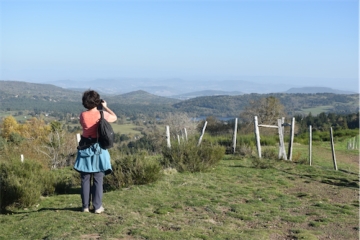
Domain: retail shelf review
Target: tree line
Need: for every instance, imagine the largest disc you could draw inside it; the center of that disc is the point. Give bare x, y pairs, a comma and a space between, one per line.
219, 106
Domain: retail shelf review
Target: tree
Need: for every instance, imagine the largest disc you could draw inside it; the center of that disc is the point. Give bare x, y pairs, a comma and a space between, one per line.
35, 129
178, 121
59, 146
268, 110
9, 126
215, 126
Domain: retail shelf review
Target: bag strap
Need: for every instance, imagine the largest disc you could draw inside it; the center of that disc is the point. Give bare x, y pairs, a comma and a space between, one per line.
97, 130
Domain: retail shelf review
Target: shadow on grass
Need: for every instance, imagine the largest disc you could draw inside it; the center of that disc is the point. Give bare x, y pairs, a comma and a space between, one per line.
76, 190
237, 166
341, 182
330, 180
72, 209
348, 172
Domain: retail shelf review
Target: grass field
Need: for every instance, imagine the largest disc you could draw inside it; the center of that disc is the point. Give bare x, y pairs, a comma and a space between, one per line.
128, 128
317, 110
287, 200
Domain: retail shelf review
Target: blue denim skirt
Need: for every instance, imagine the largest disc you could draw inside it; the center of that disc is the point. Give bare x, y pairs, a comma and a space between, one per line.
93, 159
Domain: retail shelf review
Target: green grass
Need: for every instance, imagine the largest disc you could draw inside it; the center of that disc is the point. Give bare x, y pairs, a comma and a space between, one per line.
128, 128
232, 201
317, 110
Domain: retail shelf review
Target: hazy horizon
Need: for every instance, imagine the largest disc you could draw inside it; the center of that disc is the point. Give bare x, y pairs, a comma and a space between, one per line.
302, 43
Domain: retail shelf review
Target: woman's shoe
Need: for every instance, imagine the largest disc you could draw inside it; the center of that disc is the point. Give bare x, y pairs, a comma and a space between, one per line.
85, 210
100, 210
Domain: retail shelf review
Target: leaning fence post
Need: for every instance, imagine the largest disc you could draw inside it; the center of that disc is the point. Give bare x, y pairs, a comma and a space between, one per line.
333, 149
78, 137
168, 136
202, 133
282, 153
185, 132
310, 144
257, 136
234, 137
291, 139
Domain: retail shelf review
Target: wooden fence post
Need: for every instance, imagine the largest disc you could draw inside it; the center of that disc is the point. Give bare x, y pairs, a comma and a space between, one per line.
168, 136
333, 149
185, 132
282, 153
22, 158
291, 139
310, 145
234, 137
202, 133
78, 137
257, 136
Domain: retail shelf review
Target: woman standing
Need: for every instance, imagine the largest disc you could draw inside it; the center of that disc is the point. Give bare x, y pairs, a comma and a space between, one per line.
92, 161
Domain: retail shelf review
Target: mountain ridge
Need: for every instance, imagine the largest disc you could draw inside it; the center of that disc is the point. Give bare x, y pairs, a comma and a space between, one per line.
45, 97
318, 90
176, 86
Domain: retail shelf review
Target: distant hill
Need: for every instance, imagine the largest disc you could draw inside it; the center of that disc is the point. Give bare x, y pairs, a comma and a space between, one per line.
46, 92
230, 106
175, 86
317, 90
205, 93
35, 97
19, 96
141, 97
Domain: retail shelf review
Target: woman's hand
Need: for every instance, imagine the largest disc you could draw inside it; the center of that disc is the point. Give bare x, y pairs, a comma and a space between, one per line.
112, 116
103, 103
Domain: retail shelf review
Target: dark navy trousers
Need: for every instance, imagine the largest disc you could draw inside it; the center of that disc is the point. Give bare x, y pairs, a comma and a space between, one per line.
92, 191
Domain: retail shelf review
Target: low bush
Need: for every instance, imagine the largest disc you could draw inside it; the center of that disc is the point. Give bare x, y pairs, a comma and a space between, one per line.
269, 159
270, 153
65, 179
3, 143
187, 156
135, 169
245, 150
245, 146
324, 136
269, 140
22, 184
264, 163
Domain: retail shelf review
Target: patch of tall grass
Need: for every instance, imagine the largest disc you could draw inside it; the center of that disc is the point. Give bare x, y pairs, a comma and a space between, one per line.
189, 157
136, 169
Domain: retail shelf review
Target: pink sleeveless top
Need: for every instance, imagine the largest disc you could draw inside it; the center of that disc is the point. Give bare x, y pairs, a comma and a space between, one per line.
89, 121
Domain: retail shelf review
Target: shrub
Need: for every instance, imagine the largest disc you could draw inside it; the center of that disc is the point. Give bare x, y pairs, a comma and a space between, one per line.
65, 179
21, 184
269, 153
187, 156
15, 138
268, 140
135, 169
264, 163
245, 146
245, 149
3, 143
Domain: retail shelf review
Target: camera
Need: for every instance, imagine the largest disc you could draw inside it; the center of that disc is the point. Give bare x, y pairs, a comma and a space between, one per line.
100, 106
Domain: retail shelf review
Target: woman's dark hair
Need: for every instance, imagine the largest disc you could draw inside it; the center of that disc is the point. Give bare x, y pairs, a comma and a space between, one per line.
91, 99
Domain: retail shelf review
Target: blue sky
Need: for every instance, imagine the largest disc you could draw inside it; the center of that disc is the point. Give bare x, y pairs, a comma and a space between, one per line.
315, 42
